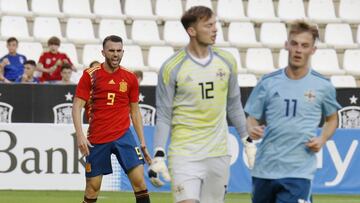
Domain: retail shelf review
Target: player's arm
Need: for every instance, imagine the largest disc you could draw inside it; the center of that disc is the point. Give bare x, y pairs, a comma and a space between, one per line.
255, 130
82, 141
138, 126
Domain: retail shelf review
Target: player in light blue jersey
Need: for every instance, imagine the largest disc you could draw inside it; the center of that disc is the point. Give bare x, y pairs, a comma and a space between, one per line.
196, 92
291, 101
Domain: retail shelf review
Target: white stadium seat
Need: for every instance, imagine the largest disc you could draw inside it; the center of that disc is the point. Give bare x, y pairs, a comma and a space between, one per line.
235, 52
289, 10
80, 30
273, 35
32, 50
168, 9
92, 52
77, 9
349, 11
108, 9
49, 8
15, 26
283, 58
325, 61
149, 79
358, 35
322, 11
220, 41
351, 62
3, 49
261, 11
158, 55
145, 33
343, 81
46, 27
231, 10
259, 60
175, 34
70, 50
139, 9
191, 3
113, 27
242, 34
133, 58
15, 7
247, 80
339, 36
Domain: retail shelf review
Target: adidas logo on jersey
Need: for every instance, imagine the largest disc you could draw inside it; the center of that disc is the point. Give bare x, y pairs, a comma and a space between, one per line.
188, 79
111, 82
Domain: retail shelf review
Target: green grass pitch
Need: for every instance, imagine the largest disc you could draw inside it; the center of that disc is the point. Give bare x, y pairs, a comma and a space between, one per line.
21, 196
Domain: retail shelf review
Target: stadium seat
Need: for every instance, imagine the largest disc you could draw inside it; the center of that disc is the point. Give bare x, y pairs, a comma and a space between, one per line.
70, 50
133, 58
77, 9
108, 9
236, 54
175, 34
158, 55
191, 3
261, 11
349, 11
358, 35
15, 8
220, 41
75, 76
92, 52
231, 10
149, 79
259, 60
351, 62
343, 81
113, 27
322, 11
333, 33
247, 80
81, 31
242, 34
3, 49
289, 10
32, 50
139, 9
46, 27
48, 8
325, 61
15, 26
168, 9
145, 33
283, 58
273, 35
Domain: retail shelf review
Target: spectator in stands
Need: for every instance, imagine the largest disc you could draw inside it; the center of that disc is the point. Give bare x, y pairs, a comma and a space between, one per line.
94, 64
12, 64
65, 73
50, 62
139, 75
28, 75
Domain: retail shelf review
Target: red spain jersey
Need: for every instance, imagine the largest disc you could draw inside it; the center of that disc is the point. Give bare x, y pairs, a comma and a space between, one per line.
48, 60
108, 97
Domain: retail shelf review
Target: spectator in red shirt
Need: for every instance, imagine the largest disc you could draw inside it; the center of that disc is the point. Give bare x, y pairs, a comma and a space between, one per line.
110, 93
50, 62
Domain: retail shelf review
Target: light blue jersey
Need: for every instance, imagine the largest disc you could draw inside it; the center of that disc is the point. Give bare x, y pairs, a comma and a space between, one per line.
292, 110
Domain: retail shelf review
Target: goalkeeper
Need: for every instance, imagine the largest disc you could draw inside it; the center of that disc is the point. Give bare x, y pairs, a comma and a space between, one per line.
196, 92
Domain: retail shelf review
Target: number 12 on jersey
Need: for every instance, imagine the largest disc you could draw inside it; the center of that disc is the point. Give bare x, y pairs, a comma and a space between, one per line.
206, 89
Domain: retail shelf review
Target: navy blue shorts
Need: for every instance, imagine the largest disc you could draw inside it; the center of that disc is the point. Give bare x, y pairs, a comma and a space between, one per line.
127, 153
285, 190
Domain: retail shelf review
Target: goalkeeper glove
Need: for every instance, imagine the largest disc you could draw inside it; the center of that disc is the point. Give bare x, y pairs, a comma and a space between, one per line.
157, 167
250, 151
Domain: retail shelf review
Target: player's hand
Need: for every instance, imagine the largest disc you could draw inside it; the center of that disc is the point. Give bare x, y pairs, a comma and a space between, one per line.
256, 132
250, 151
83, 144
315, 144
146, 154
5, 62
158, 167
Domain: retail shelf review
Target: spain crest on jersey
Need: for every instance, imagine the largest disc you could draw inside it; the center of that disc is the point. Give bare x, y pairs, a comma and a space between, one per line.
5, 112
123, 86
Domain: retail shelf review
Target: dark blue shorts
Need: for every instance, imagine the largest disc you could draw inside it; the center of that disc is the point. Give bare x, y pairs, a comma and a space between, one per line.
285, 190
127, 153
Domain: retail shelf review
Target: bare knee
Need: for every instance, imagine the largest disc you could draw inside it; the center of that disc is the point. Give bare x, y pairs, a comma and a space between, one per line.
92, 188
136, 177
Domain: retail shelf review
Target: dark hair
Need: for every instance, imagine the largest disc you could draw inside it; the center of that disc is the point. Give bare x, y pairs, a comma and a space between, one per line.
301, 26
30, 62
195, 14
113, 38
12, 39
92, 63
54, 41
138, 73
65, 66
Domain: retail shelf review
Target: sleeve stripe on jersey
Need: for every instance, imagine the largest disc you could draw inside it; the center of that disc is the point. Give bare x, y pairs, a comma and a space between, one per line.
227, 57
91, 70
170, 65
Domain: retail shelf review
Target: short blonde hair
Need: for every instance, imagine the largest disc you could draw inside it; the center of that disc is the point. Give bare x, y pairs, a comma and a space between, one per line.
300, 26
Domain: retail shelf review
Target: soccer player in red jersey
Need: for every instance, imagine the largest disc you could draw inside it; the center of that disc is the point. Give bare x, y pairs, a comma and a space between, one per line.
110, 93
50, 62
